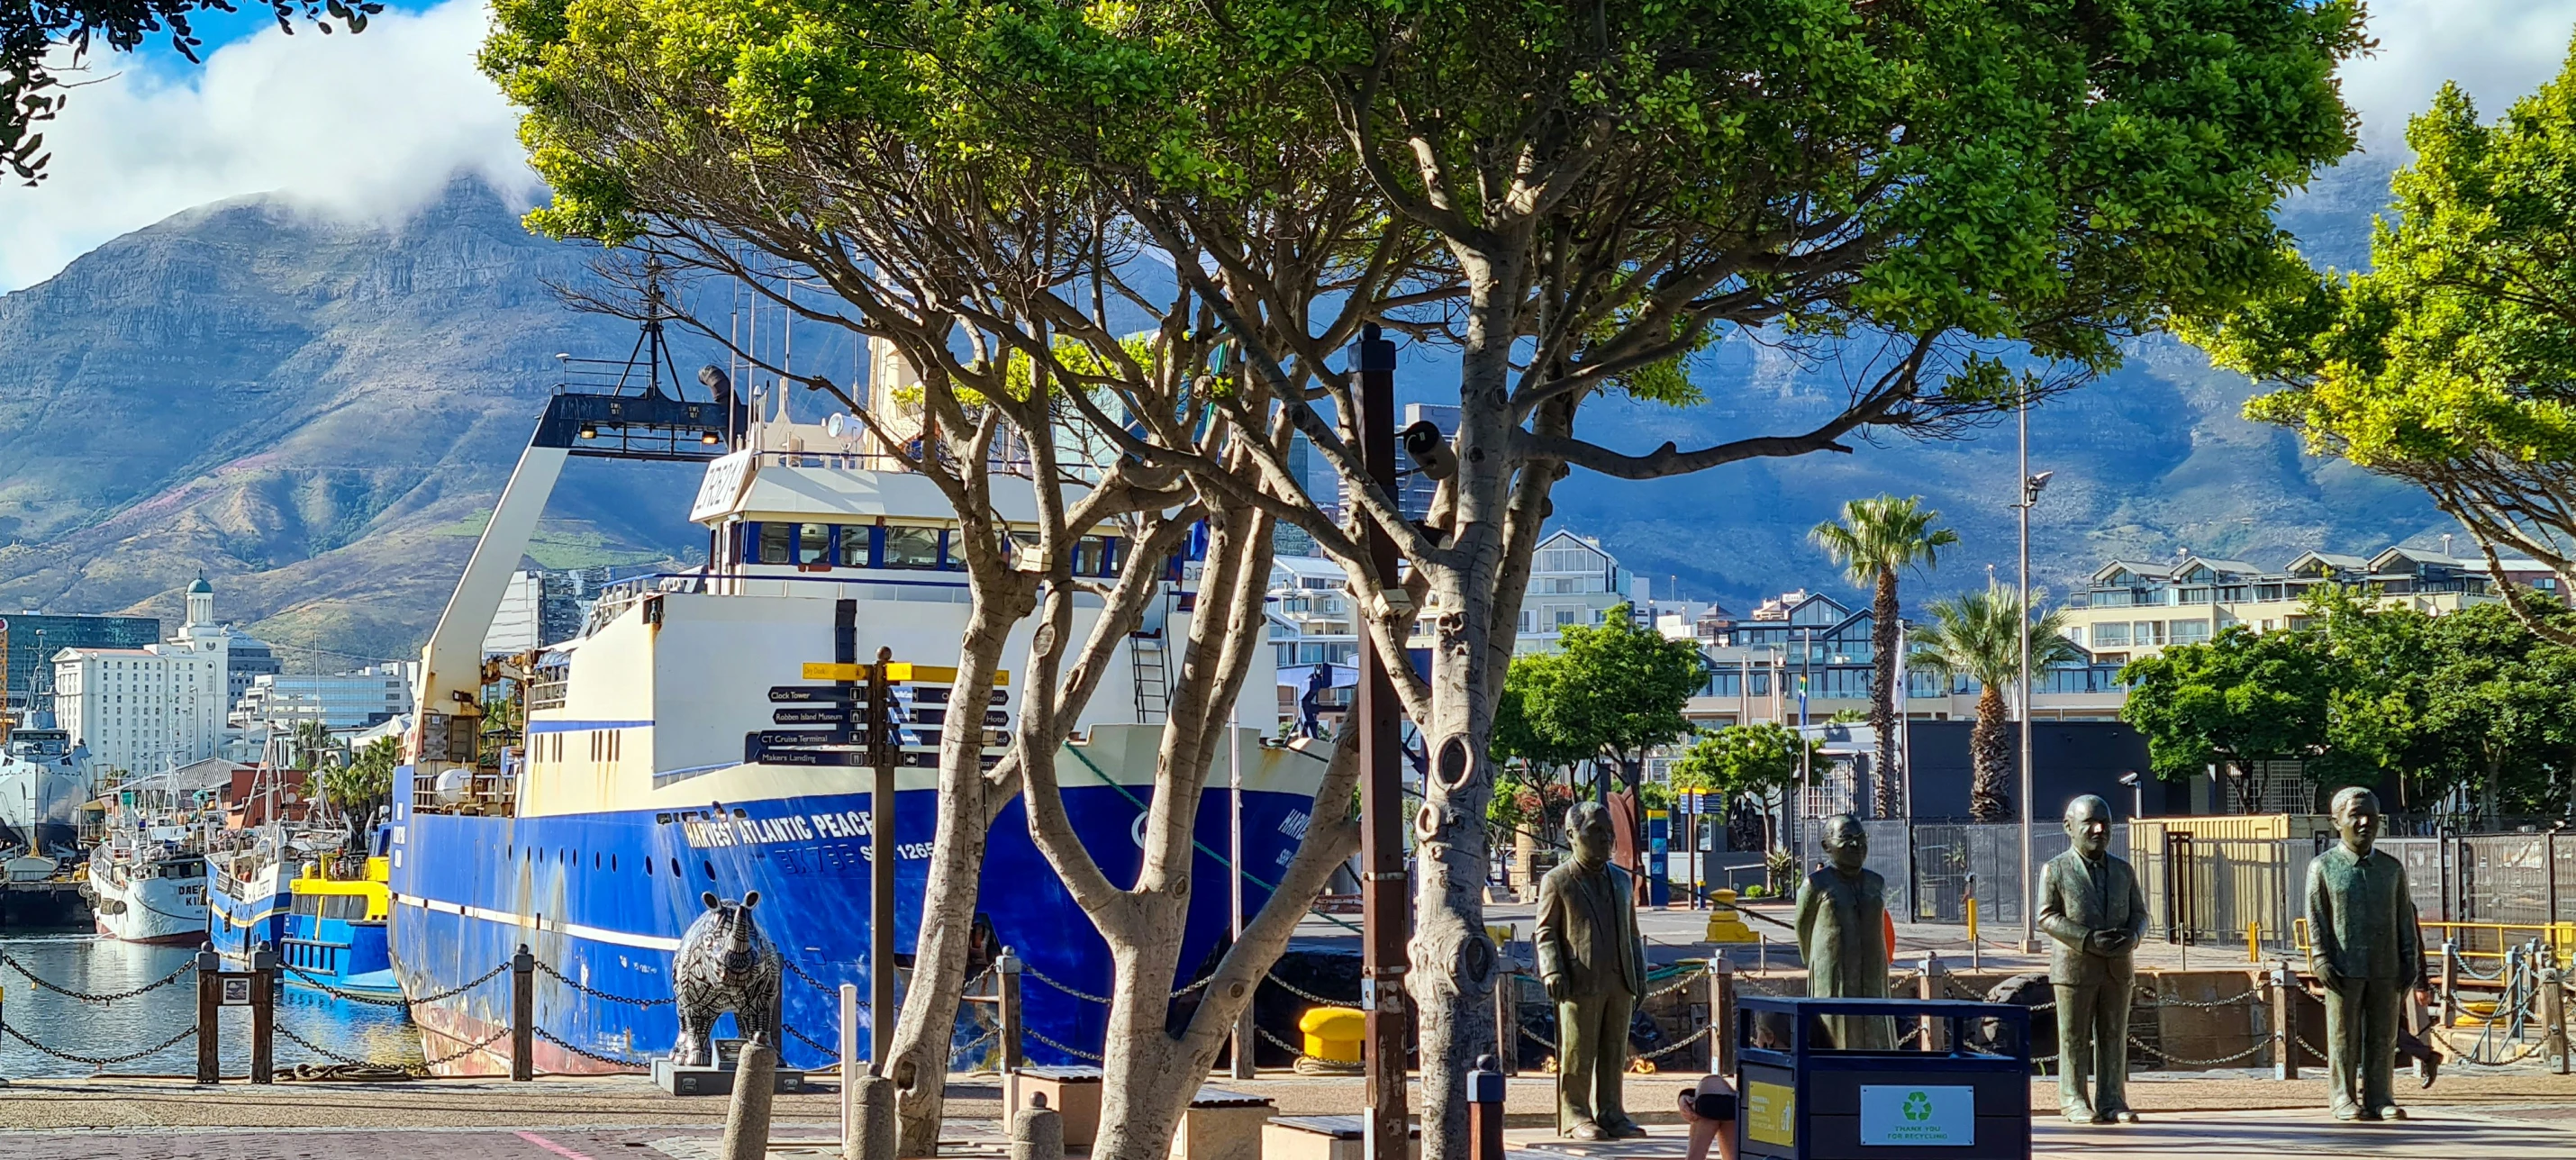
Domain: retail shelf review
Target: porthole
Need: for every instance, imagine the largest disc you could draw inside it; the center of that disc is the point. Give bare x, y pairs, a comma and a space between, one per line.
709, 867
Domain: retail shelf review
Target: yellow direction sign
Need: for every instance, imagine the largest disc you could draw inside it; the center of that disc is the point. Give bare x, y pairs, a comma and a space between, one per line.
898, 672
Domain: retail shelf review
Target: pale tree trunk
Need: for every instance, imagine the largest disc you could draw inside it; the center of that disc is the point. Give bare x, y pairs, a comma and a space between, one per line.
919, 1063
1499, 513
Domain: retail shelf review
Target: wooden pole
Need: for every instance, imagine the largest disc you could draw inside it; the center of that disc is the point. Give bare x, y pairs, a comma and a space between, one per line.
2285, 1023
523, 1015
210, 1005
1006, 972
263, 1015
1507, 1039
1385, 911
881, 874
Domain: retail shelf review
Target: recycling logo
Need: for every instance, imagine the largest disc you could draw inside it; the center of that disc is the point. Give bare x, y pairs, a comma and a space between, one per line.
1918, 1106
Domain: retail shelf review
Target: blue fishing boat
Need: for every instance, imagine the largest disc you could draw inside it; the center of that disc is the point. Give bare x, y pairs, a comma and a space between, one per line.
692, 738
336, 931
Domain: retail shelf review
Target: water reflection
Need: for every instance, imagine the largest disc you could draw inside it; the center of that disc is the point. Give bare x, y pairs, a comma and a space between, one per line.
87, 963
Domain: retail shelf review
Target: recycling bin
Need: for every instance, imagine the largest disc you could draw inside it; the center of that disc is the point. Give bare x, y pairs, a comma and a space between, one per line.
1801, 1098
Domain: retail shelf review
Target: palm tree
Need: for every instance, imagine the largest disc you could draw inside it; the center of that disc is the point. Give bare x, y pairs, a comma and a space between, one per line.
1876, 539
1978, 635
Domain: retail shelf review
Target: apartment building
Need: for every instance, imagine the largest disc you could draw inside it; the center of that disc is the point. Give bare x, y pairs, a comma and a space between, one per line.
2137, 608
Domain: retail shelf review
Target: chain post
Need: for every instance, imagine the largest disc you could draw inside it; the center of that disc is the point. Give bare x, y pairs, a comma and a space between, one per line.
2450, 983
263, 1015
1485, 1089
1721, 1014
210, 1002
2285, 994
2553, 1010
1006, 980
523, 1015
1506, 1010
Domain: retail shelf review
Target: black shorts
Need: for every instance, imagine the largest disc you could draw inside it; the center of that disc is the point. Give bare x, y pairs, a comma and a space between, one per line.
1713, 1105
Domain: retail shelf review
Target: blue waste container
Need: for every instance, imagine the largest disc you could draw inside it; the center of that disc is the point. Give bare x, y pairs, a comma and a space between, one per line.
1803, 1099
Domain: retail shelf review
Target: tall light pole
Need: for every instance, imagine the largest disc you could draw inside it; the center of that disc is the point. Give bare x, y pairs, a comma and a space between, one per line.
2031, 486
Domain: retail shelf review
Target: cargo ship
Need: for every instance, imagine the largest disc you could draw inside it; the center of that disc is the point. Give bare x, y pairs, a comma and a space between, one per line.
663, 753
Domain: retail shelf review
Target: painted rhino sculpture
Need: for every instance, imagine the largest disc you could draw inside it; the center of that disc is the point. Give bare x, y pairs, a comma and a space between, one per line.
724, 964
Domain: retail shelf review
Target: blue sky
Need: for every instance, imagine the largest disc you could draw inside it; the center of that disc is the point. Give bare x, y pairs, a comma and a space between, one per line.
373, 125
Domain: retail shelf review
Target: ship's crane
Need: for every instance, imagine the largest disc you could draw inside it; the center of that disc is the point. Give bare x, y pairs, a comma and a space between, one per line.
634, 408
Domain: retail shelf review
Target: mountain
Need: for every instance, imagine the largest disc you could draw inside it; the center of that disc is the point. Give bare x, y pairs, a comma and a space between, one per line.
314, 412
318, 413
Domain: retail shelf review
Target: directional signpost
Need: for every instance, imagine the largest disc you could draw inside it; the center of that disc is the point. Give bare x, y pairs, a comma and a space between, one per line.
881, 716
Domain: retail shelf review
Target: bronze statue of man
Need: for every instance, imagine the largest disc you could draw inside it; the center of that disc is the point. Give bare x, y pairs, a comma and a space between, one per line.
2365, 947
1594, 966
2091, 908
1842, 918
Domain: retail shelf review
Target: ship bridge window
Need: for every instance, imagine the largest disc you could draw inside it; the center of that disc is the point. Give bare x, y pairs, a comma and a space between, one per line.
857, 548
777, 543
911, 548
814, 544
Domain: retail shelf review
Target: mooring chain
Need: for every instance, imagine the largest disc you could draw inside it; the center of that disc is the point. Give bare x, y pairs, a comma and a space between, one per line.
1687, 979
326, 988
2169, 1057
464, 1051
461, 988
1674, 1046
603, 996
1049, 980
415, 1070
810, 980
1307, 995
1075, 1052
87, 997
2470, 1056
188, 1032
585, 1053
801, 1037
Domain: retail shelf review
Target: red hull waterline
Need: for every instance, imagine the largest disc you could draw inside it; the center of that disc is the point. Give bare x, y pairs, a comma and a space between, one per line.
182, 939
446, 1031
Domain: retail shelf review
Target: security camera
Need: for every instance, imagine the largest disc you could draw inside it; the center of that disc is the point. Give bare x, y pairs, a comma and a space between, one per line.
1429, 450
2130, 778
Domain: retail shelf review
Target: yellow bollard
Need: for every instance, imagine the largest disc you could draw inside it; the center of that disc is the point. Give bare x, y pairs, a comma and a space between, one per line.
1725, 925
1972, 920
2254, 942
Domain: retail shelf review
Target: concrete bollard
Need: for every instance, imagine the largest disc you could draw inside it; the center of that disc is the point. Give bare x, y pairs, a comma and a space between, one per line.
873, 1136
1037, 1131
746, 1129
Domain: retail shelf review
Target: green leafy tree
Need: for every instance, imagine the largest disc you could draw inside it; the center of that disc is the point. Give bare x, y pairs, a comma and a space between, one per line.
1759, 762
41, 41
2500, 709
2240, 700
1615, 690
1875, 540
1977, 635
365, 785
1578, 199
2446, 364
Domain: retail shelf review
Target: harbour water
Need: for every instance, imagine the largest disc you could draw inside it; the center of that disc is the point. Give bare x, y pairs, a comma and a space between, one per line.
84, 962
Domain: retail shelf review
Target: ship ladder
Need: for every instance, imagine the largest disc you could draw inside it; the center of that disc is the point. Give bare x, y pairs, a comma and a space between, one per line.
1145, 659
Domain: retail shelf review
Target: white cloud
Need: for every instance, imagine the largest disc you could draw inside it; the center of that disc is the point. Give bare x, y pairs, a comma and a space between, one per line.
2496, 49
374, 124
369, 125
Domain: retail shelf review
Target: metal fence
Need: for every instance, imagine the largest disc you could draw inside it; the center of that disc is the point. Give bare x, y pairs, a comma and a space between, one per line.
1952, 862
2204, 891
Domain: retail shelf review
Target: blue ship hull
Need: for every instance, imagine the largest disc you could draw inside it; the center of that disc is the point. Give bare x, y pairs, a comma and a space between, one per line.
602, 899
238, 923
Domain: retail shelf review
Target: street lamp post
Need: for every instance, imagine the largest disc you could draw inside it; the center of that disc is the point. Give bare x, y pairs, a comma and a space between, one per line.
2031, 486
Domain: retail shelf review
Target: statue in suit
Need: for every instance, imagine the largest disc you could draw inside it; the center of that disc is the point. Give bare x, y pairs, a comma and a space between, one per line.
2365, 947
1594, 966
1842, 916
2090, 907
